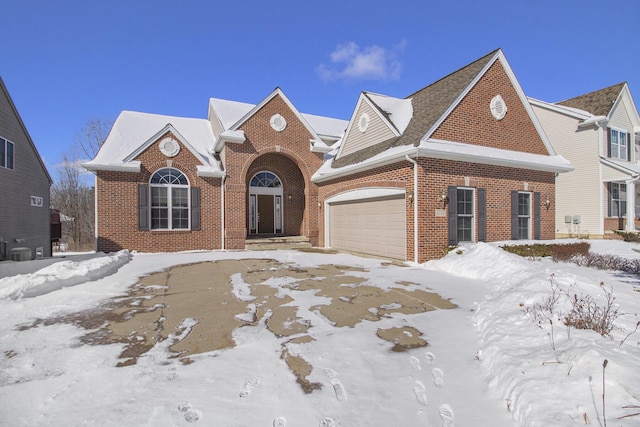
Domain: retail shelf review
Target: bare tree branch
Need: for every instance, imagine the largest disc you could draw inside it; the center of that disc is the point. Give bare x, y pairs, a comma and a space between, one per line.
91, 136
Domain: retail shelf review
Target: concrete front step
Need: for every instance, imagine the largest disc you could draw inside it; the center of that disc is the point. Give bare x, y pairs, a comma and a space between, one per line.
277, 242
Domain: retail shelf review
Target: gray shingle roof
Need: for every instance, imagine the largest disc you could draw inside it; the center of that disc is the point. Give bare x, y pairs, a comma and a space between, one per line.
598, 103
429, 104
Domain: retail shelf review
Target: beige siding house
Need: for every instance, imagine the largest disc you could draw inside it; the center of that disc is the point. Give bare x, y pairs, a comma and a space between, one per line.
599, 133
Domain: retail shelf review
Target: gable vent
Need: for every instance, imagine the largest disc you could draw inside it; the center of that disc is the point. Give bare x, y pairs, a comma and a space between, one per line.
498, 107
278, 123
363, 123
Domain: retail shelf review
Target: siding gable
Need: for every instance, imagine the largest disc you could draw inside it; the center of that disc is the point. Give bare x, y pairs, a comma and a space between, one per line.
472, 122
620, 117
378, 130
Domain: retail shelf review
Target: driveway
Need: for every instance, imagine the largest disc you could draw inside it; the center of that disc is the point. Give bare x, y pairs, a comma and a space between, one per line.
200, 307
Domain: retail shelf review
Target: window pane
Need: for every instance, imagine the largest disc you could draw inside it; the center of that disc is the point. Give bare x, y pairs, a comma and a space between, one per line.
465, 202
159, 218
9, 155
179, 218
465, 229
158, 196
523, 204
180, 197
523, 228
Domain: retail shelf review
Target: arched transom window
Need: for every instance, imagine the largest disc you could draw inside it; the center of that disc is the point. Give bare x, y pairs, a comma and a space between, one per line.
265, 179
169, 189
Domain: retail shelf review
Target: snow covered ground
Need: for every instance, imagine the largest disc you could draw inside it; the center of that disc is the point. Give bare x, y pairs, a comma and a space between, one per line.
488, 362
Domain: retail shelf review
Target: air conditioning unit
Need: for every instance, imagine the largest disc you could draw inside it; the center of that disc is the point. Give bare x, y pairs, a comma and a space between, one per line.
20, 254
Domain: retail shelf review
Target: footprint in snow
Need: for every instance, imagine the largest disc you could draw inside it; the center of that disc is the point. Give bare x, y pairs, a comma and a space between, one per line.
190, 414
429, 357
419, 391
446, 413
249, 387
280, 422
327, 422
438, 377
338, 388
415, 363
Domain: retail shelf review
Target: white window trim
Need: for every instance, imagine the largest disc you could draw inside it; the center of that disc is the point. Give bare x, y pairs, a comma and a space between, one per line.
626, 147
619, 200
473, 216
529, 215
169, 206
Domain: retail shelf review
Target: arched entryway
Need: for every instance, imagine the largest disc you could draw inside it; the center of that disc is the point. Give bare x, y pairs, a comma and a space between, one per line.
265, 204
275, 197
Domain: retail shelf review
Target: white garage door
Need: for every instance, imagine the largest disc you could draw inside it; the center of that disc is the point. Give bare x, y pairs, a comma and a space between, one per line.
375, 226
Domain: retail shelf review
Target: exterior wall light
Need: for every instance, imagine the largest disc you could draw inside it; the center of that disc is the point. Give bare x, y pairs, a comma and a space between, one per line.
443, 197
547, 203
410, 196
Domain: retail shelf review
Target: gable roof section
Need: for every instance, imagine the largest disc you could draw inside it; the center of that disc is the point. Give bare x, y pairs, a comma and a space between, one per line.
5, 91
431, 106
133, 132
598, 103
231, 115
389, 116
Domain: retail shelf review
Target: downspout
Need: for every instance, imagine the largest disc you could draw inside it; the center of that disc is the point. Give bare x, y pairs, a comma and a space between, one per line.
95, 212
415, 208
222, 240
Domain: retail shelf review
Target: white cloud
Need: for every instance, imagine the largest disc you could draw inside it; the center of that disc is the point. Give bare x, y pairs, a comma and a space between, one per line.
350, 62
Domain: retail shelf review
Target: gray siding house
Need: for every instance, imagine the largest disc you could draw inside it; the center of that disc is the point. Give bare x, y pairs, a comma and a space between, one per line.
24, 189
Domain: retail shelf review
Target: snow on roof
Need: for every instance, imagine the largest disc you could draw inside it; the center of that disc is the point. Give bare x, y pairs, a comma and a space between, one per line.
230, 112
457, 151
133, 129
399, 111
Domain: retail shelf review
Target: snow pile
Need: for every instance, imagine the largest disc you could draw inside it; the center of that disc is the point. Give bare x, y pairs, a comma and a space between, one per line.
548, 373
61, 275
491, 362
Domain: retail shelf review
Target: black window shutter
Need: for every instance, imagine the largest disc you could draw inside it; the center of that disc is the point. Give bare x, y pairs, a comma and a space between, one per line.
195, 208
536, 216
482, 215
453, 215
610, 199
514, 215
143, 207
608, 142
628, 146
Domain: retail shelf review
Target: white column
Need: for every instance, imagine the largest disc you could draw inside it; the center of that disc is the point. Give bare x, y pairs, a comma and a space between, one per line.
631, 205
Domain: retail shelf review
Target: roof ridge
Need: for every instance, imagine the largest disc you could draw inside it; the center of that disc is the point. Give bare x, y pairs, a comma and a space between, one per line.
470, 64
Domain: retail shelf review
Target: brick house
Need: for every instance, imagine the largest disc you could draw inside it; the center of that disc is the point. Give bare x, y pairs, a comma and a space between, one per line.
462, 160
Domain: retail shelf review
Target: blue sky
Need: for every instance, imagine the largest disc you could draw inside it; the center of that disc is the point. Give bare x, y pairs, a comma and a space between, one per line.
66, 62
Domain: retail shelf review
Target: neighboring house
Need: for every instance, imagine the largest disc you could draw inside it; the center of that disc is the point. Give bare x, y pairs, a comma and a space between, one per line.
24, 188
462, 160
599, 132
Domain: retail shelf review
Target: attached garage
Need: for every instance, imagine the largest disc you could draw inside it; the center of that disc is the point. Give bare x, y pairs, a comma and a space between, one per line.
368, 221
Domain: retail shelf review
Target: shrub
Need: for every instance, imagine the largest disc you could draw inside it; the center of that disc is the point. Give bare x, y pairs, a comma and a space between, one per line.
608, 262
627, 236
559, 252
587, 314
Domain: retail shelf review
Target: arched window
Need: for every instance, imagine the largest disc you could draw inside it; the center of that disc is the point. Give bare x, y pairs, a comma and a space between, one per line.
169, 189
265, 179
